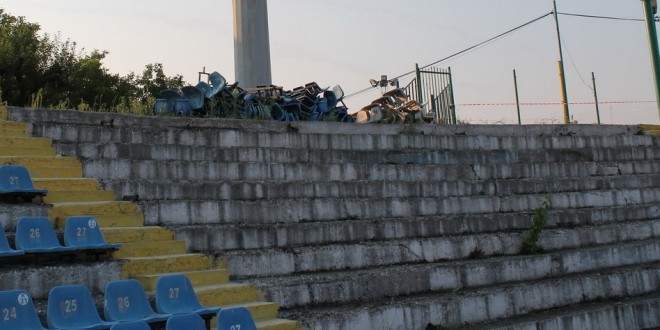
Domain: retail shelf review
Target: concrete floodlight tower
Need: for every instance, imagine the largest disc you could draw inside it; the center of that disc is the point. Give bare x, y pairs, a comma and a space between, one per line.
251, 43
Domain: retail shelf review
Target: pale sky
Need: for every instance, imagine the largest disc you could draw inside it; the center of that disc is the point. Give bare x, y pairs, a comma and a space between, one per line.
348, 42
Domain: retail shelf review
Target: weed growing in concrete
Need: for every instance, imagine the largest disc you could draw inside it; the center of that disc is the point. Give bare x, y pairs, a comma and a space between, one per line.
531, 241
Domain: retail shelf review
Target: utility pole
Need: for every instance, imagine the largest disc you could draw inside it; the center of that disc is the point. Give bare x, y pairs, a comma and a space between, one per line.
651, 8
251, 43
593, 78
562, 75
515, 85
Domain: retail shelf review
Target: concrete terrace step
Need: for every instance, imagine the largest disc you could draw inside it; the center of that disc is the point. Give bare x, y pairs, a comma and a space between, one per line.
197, 278
167, 264
7, 151
226, 294
333, 257
360, 139
40, 161
136, 234
304, 155
13, 129
66, 184
54, 197
617, 314
177, 213
10, 213
255, 190
277, 324
480, 305
70, 117
25, 142
61, 211
150, 249
39, 279
217, 171
379, 283
217, 237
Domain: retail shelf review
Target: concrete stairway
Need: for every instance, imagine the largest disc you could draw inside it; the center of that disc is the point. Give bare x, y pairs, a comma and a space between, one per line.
398, 227
147, 252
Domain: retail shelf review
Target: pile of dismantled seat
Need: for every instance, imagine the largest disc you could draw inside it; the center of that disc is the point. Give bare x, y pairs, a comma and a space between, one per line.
393, 107
221, 100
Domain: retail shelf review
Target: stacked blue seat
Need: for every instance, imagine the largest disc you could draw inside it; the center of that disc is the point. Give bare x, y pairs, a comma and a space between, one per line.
15, 182
5, 249
72, 307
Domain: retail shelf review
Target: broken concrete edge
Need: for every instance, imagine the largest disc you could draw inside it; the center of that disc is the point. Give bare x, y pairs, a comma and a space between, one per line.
73, 117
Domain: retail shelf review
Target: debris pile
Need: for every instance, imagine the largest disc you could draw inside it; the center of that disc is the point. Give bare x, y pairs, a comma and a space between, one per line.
221, 100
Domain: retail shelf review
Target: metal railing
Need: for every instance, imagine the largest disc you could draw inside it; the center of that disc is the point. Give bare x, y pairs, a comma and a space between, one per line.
432, 87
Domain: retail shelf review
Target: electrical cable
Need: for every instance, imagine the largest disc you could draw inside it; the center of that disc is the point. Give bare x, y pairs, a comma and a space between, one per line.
602, 17
460, 52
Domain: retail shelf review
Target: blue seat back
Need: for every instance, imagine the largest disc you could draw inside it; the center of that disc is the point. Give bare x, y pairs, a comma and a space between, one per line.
235, 318
218, 82
205, 88
182, 108
162, 107
195, 97
84, 232
175, 295
185, 321
136, 325
5, 249
17, 311
71, 307
36, 233
126, 301
16, 178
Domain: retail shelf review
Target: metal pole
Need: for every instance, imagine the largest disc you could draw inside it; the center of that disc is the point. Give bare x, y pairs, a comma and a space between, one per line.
562, 75
420, 91
515, 84
593, 78
650, 8
452, 102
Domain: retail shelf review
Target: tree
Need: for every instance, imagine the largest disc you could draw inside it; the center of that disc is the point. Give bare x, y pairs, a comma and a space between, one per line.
62, 75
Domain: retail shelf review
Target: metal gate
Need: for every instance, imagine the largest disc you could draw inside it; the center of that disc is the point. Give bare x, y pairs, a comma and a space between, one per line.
433, 88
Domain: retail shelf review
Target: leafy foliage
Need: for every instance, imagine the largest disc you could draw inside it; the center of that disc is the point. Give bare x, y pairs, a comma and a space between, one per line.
531, 241
43, 70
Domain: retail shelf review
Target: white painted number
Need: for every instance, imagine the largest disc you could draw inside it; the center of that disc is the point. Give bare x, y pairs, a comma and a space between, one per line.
235, 327
70, 306
13, 180
82, 231
35, 233
9, 314
174, 293
123, 303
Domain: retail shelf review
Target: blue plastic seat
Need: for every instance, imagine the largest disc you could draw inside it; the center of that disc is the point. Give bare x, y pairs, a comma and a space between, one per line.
72, 307
195, 97
15, 179
136, 325
18, 311
235, 318
185, 321
84, 233
205, 88
175, 295
218, 82
126, 301
5, 249
36, 235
